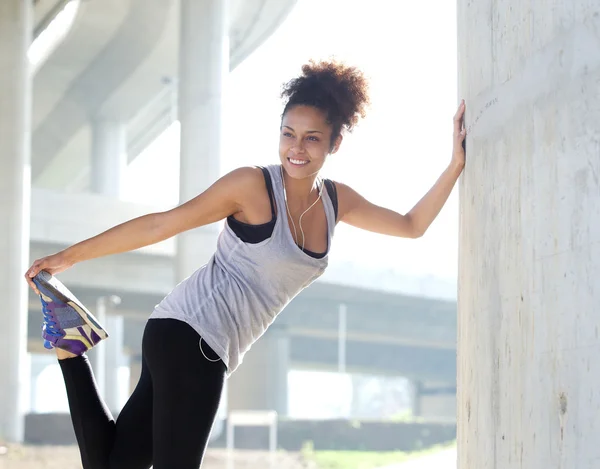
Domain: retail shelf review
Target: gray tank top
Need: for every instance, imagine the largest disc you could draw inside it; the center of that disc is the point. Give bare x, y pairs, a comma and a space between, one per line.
236, 296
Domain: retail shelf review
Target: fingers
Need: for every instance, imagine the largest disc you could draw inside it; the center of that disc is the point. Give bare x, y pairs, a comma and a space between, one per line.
460, 133
32, 285
460, 111
35, 268
458, 119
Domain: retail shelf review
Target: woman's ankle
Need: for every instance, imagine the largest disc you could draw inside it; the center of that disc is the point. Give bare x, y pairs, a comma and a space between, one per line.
63, 354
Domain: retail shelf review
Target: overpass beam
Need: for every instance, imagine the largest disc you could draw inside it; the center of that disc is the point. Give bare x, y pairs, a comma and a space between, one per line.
261, 381
203, 67
15, 188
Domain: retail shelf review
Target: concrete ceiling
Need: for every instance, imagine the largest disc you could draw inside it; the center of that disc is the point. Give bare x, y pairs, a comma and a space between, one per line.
44, 11
118, 56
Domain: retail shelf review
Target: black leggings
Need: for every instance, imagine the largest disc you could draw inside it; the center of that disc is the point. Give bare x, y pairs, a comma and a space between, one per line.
168, 418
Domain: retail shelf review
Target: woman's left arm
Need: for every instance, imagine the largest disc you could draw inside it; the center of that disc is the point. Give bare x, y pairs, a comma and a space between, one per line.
355, 210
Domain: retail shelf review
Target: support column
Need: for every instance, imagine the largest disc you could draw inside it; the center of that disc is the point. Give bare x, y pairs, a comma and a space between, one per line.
102, 356
109, 156
417, 399
115, 359
15, 189
97, 355
529, 291
261, 381
109, 161
38, 363
203, 66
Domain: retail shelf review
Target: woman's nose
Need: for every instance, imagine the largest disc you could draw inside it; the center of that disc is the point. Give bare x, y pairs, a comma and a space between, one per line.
298, 148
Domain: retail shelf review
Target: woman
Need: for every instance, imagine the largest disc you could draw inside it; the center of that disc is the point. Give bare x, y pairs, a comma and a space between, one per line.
278, 232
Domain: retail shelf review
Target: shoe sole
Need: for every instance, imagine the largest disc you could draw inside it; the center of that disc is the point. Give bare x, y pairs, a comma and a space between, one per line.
54, 290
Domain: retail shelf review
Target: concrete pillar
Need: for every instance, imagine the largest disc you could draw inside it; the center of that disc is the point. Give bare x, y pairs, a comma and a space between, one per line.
104, 355
261, 381
109, 161
417, 399
115, 359
38, 364
97, 355
203, 65
529, 291
109, 156
15, 189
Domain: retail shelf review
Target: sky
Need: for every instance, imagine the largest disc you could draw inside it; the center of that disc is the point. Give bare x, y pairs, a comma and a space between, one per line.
408, 52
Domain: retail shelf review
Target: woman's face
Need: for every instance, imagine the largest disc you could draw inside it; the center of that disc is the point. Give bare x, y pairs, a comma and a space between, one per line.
305, 141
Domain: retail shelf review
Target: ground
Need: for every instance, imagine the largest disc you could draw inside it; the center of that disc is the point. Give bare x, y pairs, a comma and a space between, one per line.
67, 457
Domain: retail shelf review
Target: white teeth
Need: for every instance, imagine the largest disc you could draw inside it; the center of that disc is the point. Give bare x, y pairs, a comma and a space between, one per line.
298, 161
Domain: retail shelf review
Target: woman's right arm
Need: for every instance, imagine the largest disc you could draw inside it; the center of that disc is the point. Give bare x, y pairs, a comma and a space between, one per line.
220, 200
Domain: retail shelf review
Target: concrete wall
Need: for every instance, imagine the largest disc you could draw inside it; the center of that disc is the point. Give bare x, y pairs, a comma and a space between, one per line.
529, 297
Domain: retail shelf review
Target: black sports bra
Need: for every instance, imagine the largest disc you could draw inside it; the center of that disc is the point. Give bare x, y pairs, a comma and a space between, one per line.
254, 234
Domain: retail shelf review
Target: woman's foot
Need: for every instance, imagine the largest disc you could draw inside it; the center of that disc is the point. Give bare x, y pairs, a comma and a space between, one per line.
68, 325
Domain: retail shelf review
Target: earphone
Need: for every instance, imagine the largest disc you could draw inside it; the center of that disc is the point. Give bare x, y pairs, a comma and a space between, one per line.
288, 208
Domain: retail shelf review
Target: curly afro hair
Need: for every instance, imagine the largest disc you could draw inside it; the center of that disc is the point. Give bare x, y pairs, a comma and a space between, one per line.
340, 91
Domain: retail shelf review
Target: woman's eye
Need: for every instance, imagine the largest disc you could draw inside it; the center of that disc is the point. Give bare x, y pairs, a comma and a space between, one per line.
287, 134
313, 139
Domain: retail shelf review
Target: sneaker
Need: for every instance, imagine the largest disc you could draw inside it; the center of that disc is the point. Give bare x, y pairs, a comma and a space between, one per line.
68, 325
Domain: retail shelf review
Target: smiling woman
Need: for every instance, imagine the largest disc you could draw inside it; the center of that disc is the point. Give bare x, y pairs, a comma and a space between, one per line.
280, 225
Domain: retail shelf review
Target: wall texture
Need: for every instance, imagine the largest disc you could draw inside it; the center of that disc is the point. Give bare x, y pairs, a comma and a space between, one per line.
529, 280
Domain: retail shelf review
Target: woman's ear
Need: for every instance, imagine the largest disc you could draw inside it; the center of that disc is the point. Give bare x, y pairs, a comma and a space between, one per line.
336, 144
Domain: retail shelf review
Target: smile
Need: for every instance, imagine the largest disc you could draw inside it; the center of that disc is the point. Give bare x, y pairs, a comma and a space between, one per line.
297, 162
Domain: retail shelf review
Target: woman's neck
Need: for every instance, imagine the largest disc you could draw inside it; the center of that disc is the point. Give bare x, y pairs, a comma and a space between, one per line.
301, 192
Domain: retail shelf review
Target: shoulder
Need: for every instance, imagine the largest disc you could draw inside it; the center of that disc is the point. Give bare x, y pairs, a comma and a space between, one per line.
246, 174
246, 186
244, 178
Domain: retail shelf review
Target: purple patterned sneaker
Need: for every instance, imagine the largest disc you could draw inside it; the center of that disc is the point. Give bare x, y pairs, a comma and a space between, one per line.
68, 325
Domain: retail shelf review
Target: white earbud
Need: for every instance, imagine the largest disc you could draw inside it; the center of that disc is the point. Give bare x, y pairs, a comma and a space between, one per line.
288, 208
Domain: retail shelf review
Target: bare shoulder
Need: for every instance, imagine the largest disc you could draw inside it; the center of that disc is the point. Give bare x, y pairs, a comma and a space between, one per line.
245, 180
237, 183
245, 175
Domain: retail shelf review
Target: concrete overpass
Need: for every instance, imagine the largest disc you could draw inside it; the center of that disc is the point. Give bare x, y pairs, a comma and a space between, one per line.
118, 65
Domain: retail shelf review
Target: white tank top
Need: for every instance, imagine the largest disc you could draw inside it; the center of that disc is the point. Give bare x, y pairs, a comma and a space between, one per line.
236, 296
